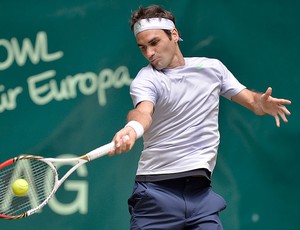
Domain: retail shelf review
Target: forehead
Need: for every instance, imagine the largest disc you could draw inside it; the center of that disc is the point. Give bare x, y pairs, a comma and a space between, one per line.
148, 35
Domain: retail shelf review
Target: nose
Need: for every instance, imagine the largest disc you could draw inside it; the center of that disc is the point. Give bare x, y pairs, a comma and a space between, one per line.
150, 52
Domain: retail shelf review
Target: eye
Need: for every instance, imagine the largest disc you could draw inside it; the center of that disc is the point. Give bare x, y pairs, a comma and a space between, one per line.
154, 42
142, 48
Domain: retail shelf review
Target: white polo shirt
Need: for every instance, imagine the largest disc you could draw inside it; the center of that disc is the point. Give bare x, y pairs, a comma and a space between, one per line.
184, 133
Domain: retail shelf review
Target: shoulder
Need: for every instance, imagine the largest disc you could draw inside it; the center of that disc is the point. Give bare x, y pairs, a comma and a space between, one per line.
146, 74
192, 60
204, 62
213, 64
147, 70
146, 78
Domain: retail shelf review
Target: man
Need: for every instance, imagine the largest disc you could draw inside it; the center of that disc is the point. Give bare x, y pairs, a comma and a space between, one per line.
176, 103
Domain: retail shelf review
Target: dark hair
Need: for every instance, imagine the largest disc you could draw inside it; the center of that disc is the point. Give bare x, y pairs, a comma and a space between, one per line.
153, 11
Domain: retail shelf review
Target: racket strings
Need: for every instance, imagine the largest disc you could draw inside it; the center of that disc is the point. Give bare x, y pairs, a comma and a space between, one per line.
41, 180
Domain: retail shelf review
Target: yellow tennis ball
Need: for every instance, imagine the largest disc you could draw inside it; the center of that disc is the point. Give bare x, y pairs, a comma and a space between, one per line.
20, 187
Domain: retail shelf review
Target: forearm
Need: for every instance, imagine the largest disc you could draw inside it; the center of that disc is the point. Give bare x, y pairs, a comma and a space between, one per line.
144, 119
250, 100
256, 106
138, 121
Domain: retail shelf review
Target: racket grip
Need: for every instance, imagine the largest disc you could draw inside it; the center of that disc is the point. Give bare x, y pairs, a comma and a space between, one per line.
103, 150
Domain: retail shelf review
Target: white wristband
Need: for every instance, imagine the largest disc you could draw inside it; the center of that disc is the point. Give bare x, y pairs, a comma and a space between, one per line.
137, 127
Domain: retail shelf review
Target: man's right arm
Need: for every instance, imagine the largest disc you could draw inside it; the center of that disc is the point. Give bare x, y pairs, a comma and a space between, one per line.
138, 121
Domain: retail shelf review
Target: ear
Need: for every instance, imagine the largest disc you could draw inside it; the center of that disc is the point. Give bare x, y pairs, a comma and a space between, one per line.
175, 34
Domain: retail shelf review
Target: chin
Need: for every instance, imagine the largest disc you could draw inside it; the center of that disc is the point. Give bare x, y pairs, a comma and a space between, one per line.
158, 67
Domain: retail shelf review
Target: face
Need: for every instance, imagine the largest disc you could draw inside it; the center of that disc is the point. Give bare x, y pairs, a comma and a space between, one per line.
158, 49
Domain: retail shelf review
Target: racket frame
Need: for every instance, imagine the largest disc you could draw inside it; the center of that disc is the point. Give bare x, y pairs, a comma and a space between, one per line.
92, 155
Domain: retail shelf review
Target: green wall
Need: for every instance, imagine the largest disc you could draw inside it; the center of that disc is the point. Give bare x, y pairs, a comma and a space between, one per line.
65, 68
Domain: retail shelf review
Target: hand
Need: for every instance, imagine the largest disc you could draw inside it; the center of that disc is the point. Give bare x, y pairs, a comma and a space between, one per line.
124, 141
274, 106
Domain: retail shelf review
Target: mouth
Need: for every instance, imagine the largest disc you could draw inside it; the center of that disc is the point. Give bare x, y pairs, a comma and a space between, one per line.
154, 61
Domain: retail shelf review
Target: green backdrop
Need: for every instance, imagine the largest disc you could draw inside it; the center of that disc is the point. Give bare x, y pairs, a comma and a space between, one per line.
65, 68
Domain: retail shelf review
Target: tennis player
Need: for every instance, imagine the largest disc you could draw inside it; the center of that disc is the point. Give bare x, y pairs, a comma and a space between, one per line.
176, 107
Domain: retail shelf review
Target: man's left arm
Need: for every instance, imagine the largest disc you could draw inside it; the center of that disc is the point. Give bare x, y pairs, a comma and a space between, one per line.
263, 103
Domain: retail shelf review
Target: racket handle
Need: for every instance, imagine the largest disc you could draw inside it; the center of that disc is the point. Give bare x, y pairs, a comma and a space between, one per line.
103, 150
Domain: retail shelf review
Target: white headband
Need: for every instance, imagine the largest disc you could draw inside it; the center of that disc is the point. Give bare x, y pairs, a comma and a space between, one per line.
153, 24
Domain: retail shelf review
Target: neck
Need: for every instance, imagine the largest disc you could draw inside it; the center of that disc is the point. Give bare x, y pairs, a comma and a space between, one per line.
178, 60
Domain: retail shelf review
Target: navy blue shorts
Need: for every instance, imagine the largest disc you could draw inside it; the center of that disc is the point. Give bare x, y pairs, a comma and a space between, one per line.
175, 204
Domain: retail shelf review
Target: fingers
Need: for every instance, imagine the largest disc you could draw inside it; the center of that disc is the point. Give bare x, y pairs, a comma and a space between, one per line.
124, 141
124, 144
284, 101
280, 102
283, 117
277, 120
282, 111
275, 106
269, 91
267, 94
121, 145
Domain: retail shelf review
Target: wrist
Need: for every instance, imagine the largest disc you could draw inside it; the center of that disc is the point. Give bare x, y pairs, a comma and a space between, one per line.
261, 110
137, 127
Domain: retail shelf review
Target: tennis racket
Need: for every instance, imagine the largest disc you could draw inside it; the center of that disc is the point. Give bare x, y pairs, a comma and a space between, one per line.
42, 177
